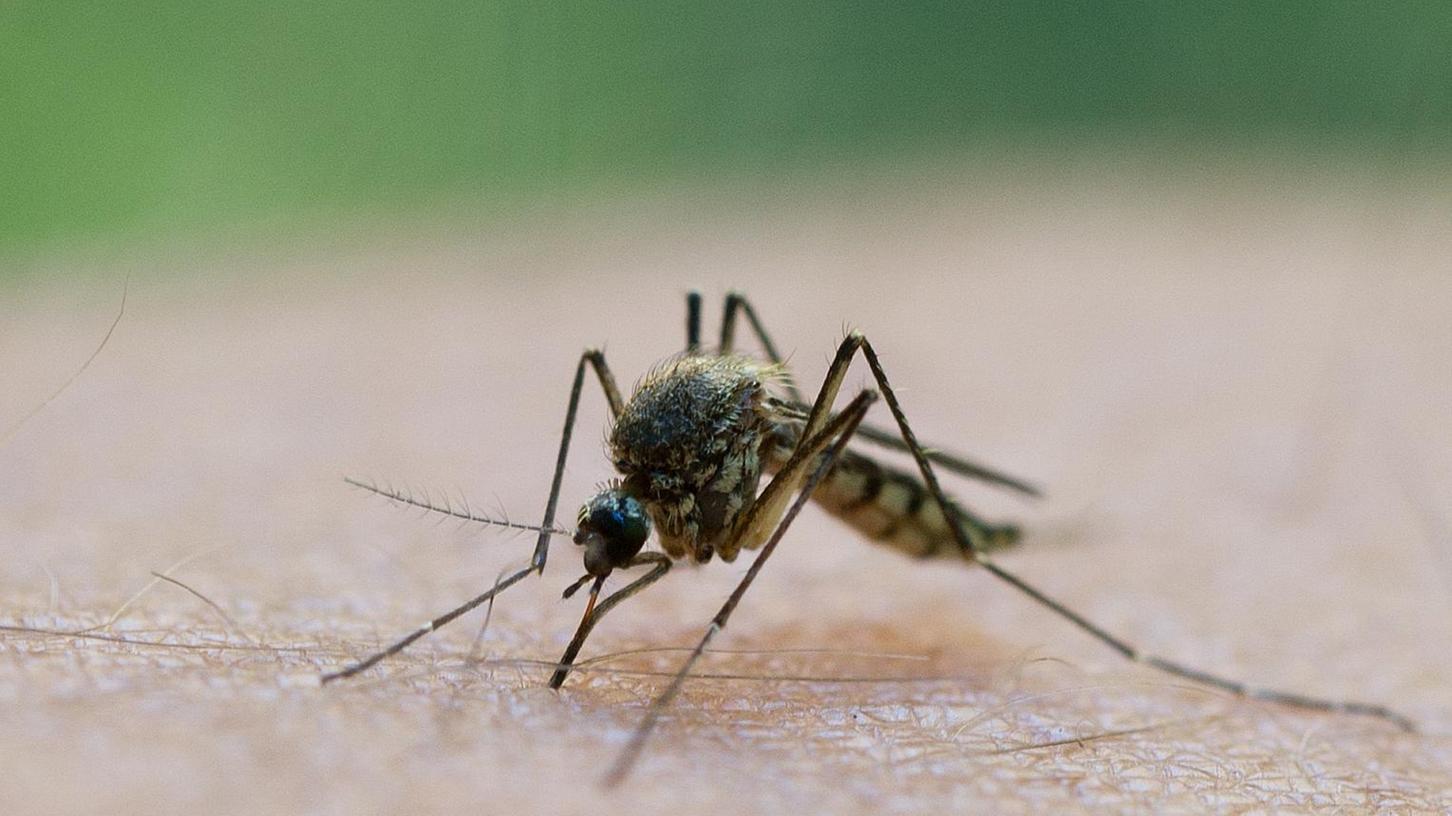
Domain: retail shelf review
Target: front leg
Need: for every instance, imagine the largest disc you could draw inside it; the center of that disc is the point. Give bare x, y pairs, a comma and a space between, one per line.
596, 360
593, 613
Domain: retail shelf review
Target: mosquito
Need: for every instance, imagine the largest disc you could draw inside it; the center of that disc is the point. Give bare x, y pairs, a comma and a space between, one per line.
692, 446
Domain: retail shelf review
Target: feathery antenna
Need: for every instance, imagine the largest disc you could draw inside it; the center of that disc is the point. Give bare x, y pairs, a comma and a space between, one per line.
447, 508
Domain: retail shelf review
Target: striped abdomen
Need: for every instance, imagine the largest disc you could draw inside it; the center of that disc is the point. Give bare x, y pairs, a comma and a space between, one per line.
894, 507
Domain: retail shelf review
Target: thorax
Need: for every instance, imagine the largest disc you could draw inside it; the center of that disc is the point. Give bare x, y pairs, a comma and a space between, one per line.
689, 444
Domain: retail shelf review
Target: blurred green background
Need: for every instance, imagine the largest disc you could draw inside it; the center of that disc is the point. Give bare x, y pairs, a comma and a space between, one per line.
146, 121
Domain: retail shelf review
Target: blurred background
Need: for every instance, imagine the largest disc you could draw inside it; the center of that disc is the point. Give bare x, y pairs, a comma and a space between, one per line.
138, 124
1185, 265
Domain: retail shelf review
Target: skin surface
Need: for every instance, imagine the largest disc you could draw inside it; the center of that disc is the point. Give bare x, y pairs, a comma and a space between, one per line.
1233, 387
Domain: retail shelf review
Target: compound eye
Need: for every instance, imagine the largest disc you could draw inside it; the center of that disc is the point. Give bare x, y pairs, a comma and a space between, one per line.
622, 522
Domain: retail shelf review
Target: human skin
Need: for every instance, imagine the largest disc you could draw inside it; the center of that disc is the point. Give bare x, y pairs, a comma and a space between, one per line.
1235, 399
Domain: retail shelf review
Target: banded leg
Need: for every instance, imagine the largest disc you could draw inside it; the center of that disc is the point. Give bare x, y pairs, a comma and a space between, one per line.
737, 302
858, 342
596, 360
835, 435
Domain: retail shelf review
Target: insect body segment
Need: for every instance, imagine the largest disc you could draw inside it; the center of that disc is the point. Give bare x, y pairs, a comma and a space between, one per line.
689, 444
895, 508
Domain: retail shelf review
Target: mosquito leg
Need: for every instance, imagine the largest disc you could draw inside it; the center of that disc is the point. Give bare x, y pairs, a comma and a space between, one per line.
840, 430
953, 462
737, 302
436, 623
596, 360
693, 322
960, 465
857, 341
1234, 687
661, 565
758, 521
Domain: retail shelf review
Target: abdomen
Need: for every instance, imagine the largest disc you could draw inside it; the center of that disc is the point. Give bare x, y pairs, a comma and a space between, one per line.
894, 507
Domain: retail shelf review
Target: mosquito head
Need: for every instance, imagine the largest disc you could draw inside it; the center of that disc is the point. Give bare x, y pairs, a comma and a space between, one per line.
612, 528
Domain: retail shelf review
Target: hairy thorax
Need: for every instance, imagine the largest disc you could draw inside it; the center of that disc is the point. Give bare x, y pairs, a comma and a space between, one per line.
689, 444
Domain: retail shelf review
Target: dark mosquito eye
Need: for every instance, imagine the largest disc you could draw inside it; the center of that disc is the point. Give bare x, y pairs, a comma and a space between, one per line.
623, 522
617, 521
